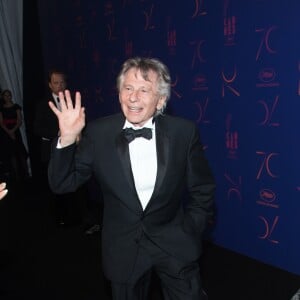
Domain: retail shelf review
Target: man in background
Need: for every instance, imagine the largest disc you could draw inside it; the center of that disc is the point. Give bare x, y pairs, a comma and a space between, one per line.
46, 128
46, 125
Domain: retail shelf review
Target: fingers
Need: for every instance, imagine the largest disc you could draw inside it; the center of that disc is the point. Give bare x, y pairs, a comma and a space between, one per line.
63, 98
3, 191
82, 111
77, 101
66, 100
53, 107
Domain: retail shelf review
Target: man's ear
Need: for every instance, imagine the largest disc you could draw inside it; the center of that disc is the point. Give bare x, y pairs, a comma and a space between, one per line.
161, 102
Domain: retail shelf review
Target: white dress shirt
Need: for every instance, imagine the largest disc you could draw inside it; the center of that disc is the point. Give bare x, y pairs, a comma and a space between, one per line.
57, 103
143, 160
143, 163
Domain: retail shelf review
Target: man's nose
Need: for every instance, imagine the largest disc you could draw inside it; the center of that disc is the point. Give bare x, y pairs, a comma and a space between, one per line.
134, 96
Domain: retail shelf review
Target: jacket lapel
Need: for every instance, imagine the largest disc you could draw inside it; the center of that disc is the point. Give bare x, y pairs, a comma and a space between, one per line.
162, 148
123, 151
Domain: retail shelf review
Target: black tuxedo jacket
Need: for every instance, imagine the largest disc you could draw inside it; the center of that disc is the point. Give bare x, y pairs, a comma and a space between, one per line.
45, 127
174, 225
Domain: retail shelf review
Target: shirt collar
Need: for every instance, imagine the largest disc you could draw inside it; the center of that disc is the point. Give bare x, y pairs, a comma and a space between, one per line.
148, 124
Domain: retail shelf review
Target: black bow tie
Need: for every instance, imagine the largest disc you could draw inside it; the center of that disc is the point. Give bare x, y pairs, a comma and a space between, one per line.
130, 134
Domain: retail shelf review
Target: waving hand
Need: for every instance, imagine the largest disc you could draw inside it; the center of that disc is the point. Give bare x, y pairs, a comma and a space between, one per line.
71, 118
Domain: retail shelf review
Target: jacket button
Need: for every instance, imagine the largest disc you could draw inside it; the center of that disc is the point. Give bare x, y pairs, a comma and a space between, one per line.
141, 215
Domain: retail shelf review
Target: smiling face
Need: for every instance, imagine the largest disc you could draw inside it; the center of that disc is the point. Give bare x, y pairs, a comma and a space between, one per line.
139, 98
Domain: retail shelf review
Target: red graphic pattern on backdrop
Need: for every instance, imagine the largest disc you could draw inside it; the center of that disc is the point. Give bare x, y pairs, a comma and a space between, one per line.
235, 69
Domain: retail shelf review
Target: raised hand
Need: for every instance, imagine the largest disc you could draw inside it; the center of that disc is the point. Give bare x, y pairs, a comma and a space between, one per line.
71, 118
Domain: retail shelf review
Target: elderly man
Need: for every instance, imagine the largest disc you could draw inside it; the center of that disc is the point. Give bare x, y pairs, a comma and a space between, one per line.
145, 162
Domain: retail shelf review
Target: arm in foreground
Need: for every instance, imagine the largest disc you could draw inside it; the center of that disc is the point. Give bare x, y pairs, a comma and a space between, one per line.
3, 190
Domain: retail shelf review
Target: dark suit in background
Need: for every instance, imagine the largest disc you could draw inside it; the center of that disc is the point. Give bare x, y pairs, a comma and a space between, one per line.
45, 127
45, 123
67, 208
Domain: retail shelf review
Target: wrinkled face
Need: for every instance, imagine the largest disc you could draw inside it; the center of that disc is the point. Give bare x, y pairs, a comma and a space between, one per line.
57, 83
138, 97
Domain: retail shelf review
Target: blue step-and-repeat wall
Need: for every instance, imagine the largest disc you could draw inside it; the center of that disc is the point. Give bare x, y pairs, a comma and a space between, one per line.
235, 69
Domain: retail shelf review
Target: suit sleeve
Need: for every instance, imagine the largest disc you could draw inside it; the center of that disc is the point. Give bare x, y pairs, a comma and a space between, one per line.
70, 167
45, 122
201, 187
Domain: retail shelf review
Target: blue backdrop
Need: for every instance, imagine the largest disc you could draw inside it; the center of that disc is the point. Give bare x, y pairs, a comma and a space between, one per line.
235, 67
